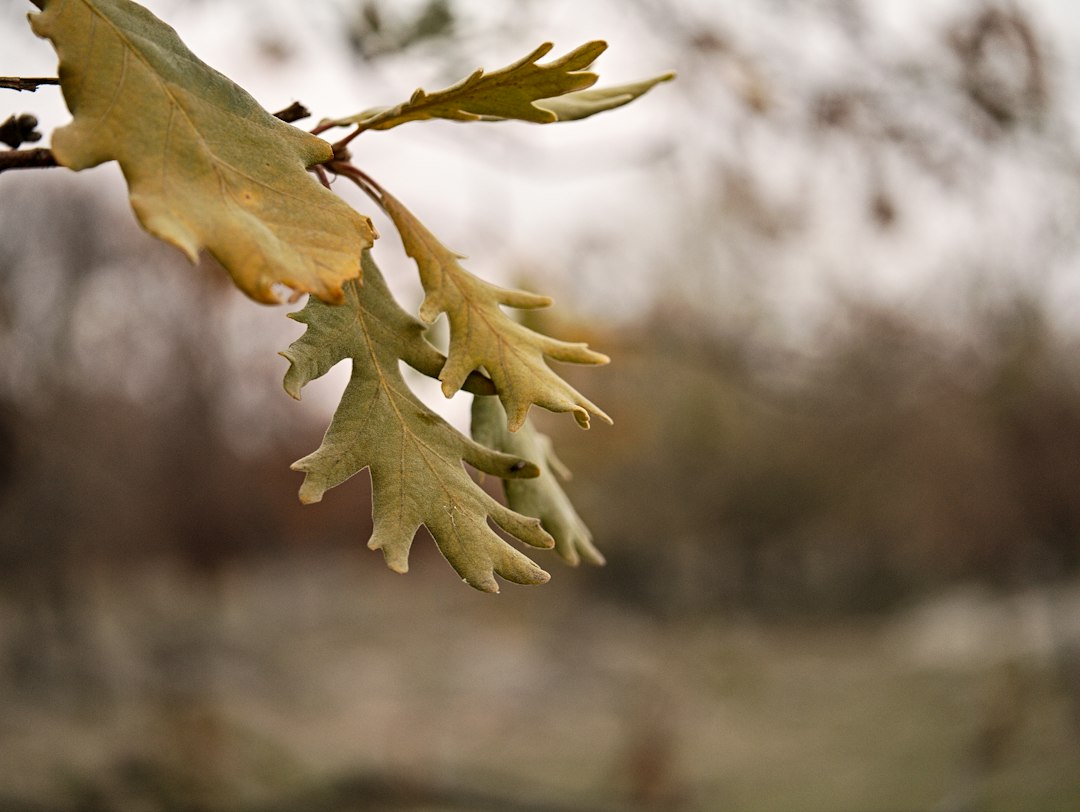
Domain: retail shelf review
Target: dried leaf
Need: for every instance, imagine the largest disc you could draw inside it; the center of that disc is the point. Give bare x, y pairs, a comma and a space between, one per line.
585, 103
543, 496
507, 93
414, 455
206, 166
482, 336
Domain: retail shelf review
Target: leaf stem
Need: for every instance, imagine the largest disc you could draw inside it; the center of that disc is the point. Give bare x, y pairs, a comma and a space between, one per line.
476, 383
367, 184
320, 173
341, 144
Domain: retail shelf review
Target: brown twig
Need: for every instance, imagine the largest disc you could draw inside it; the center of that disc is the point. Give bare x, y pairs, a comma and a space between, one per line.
38, 158
341, 144
294, 112
320, 173
42, 158
26, 83
366, 183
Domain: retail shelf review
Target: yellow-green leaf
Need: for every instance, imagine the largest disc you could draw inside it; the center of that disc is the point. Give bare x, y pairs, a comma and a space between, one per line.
507, 93
206, 166
585, 103
415, 457
542, 496
482, 336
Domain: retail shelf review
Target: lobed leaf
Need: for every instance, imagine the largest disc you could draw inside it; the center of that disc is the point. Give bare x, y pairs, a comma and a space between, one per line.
206, 166
415, 457
482, 336
508, 93
542, 496
585, 103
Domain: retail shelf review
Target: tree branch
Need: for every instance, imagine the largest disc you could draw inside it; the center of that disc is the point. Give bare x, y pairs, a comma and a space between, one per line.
294, 112
26, 83
27, 159
41, 158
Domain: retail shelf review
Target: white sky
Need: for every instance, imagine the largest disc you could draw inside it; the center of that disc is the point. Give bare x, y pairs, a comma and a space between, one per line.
605, 212
531, 192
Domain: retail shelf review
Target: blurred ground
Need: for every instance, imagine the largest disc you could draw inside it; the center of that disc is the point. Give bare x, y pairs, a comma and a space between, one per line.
836, 264
319, 682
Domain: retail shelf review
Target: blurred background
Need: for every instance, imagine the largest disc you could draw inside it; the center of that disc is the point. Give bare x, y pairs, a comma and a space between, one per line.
837, 266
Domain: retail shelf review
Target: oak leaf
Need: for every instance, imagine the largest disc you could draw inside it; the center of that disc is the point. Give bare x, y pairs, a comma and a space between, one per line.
482, 336
508, 93
415, 457
206, 166
585, 103
542, 496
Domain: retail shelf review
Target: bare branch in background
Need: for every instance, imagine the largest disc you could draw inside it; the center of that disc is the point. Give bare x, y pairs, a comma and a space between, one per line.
26, 83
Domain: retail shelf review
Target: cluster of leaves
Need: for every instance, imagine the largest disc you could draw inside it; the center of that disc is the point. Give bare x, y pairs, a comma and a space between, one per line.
208, 168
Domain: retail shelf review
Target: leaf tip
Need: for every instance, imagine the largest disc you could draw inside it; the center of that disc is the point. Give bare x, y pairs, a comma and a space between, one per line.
395, 556
522, 469
309, 494
291, 385
546, 540
429, 310
589, 51
488, 584
294, 379
327, 294
523, 300
541, 50
569, 555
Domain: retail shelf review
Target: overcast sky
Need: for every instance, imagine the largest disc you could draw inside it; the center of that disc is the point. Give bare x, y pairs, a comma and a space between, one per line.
610, 207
